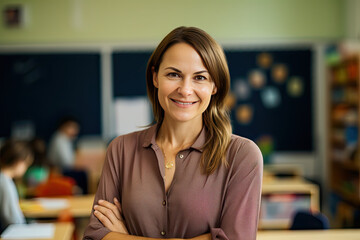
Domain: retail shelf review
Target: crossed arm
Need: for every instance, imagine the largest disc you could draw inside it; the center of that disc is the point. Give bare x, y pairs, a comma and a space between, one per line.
110, 215
117, 236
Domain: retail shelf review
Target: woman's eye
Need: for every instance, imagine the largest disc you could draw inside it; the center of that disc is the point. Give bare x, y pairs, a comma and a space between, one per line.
200, 78
173, 75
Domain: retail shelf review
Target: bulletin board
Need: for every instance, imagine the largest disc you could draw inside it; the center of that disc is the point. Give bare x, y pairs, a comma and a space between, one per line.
271, 99
42, 88
271, 93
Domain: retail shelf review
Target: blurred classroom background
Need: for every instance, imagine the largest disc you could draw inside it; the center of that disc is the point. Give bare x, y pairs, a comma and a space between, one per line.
295, 89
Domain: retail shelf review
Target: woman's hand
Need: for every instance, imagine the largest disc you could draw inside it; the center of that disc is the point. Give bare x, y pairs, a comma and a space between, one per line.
110, 215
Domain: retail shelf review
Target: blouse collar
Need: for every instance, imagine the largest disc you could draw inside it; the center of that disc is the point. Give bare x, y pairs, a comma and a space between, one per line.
150, 138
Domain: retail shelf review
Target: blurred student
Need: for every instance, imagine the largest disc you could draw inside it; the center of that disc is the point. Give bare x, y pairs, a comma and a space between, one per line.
38, 172
15, 158
61, 147
62, 152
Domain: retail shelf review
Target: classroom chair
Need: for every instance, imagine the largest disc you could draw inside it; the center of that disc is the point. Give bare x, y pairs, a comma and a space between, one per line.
306, 220
55, 186
80, 177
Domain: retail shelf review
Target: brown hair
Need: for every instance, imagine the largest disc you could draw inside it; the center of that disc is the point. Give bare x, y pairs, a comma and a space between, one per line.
215, 117
14, 151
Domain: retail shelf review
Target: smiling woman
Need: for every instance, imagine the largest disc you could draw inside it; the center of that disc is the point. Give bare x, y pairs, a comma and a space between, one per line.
187, 176
184, 85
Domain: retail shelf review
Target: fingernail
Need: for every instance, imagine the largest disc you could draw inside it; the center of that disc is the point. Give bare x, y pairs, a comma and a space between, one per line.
95, 206
95, 212
100, 201
115, 199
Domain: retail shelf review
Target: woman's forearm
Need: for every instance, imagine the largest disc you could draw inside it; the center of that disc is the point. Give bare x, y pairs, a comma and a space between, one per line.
120, 236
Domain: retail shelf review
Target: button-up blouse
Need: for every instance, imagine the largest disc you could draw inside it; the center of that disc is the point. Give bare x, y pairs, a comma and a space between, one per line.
225, 203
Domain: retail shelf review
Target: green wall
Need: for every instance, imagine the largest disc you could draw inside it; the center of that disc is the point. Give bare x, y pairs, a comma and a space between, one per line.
59, 21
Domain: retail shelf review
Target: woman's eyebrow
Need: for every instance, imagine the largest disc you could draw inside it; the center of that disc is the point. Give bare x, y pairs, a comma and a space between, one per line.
174, 69
177, 70
199, 72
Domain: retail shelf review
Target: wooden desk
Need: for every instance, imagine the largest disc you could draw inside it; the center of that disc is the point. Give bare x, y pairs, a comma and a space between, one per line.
287, 186
78, 206
331, 234
63, 231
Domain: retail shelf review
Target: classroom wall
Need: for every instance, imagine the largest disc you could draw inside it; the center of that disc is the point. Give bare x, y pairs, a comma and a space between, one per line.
352, 20
54, 21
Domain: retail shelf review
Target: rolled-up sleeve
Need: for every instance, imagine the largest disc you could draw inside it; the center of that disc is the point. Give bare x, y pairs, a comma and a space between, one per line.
240, 212
109, 187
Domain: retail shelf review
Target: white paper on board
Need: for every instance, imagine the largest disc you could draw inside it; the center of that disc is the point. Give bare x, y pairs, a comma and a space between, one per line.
132, 114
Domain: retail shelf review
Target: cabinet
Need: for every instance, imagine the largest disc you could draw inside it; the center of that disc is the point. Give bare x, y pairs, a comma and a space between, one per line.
343, 126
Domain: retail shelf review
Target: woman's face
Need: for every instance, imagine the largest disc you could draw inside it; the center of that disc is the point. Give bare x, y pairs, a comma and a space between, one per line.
184, 84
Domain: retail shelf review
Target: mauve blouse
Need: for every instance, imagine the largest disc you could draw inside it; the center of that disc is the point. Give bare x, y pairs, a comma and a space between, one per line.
225, 203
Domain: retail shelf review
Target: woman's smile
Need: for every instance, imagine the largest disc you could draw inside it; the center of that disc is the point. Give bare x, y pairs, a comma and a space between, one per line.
184, 104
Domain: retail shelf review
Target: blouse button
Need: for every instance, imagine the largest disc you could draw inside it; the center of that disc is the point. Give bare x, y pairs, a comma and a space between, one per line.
181, 156
164, 203
163, 233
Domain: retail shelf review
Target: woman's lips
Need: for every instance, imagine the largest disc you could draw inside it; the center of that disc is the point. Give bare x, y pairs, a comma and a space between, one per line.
184, 103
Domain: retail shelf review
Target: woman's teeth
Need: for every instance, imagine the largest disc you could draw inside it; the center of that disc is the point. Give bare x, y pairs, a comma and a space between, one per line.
184, 103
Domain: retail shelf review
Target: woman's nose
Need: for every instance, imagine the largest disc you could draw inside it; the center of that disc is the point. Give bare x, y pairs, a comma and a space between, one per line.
185, 87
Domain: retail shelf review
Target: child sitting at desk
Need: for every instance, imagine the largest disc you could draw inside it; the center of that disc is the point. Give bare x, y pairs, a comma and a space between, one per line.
15, 158
39, 170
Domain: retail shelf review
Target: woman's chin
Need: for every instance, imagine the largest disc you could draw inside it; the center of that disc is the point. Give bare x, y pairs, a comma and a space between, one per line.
185, 119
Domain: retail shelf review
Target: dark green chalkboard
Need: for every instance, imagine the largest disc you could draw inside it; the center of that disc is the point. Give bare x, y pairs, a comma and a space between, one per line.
44, 87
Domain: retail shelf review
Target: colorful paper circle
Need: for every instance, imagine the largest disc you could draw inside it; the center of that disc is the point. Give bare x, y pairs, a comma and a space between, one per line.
279, 73
295, 87
271, 97
230, 100
264, 60
242, 89
257, 79
244, 114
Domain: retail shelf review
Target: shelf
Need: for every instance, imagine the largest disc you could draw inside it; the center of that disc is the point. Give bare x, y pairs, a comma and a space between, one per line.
340, 124
346, 104
348, 165
344, 129
351, 198
347, 83
337, 143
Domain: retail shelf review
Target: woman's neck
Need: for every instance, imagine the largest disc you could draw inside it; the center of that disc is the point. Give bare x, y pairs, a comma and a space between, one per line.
178, 135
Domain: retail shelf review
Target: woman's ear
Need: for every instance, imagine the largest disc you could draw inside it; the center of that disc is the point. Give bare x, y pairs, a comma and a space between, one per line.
155, 79
214, 90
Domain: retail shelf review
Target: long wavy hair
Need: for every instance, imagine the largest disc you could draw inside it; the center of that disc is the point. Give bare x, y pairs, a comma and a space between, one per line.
215, 117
